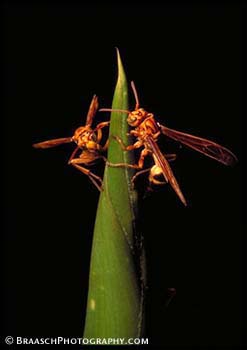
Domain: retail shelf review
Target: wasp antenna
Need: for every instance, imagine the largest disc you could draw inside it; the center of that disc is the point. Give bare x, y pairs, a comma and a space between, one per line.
135, 94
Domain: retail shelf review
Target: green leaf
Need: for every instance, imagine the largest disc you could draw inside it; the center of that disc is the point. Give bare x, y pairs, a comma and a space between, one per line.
115, 297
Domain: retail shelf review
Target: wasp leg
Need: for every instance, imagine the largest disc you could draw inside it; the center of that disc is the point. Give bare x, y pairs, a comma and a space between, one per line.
73, 154
122, 165
99, 131
171, 157
156, 135
102, 125
136, 145
140, 164
137, 174
76, 162
104, 148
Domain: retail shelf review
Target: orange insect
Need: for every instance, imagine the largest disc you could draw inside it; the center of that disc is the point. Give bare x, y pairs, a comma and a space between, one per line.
87, 140
147, 131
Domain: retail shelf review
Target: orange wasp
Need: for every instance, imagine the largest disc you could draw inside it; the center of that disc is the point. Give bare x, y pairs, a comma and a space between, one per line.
88, 141
147, 131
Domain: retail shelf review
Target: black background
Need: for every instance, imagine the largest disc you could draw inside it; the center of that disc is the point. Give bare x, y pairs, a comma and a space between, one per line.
188, 63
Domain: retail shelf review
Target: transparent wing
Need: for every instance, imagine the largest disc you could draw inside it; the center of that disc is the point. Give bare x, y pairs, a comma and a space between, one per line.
207, 147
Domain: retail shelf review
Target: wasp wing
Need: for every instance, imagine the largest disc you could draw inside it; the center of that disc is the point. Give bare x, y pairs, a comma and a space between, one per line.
166, 169
52, 143
204, 146
94, 105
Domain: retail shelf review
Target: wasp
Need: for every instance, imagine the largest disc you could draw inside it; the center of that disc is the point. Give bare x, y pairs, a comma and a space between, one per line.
87, 140
147, 130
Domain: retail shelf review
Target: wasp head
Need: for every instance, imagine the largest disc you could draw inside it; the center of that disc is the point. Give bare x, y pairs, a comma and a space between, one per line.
136, 117
83, 135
